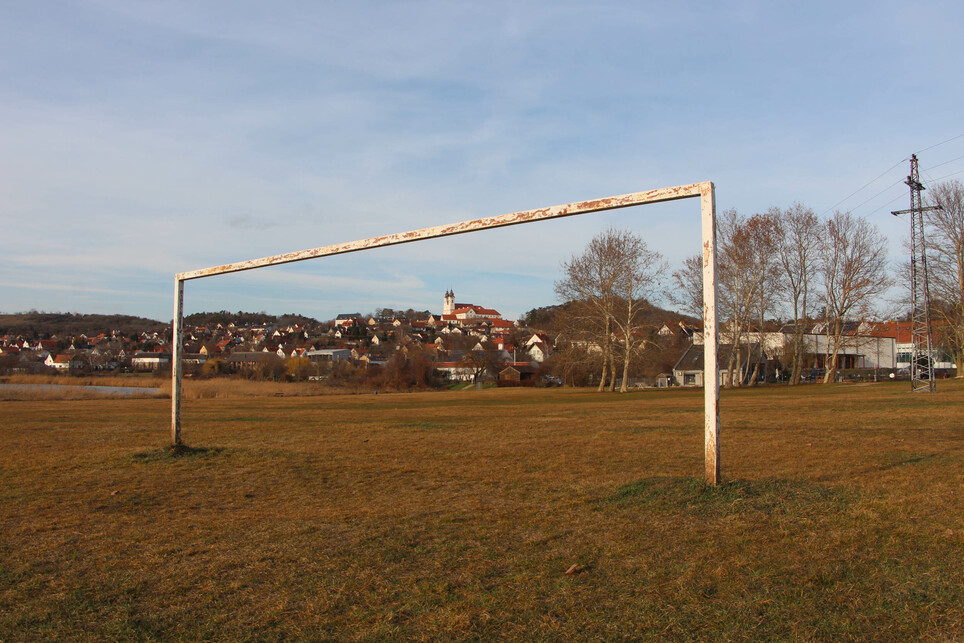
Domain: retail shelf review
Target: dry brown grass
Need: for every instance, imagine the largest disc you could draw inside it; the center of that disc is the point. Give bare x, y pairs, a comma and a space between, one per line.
44, 387
143, 380
66, 393
456, 515
230, 388
75, 388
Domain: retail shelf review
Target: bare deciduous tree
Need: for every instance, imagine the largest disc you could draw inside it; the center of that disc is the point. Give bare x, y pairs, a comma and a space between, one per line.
744, 268
687, 290
611, 281
796, 234
945, 254
761, 236
853, 265
638, 280
734, 293
590, 285
586, 330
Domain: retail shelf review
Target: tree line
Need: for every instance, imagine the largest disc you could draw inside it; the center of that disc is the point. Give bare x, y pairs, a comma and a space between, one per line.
43, 325
788, 262
784, 263
944, 234
242, 318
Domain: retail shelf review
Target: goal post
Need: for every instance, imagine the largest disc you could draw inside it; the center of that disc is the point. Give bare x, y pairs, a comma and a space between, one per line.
704, 191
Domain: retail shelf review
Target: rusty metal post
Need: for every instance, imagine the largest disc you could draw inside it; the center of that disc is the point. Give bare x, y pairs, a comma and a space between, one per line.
177, 345
711, 370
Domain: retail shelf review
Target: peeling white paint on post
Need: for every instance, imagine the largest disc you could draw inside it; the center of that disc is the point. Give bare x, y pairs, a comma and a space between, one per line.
711, 377
515, 218
708, 207
177, 367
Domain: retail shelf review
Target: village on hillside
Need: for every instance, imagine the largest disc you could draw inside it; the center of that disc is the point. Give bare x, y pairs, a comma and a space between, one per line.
464, 343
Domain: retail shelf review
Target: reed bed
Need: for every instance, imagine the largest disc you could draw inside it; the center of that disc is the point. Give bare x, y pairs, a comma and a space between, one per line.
140, 380
63, 394
73, 387
231, 388
21, 388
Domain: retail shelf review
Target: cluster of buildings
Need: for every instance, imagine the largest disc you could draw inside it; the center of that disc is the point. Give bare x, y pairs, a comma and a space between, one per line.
78, 353
458, 340
462, 342
879, 347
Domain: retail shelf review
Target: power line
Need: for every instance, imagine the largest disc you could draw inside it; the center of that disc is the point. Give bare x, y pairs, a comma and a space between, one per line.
953, 138
845, 199
866, 186
944, 163
897, 182
930, 179
941, 178
899, 196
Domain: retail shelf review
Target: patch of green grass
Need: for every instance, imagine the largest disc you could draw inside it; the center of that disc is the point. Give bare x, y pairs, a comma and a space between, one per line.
903, 458
176, 452
693, 495
421, 425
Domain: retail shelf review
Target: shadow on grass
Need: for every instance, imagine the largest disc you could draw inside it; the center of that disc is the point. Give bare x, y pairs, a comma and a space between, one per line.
893, 460
177, 452
736, 496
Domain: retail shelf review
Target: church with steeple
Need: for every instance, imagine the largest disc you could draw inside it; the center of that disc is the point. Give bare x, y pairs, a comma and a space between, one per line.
461, 314
448, 304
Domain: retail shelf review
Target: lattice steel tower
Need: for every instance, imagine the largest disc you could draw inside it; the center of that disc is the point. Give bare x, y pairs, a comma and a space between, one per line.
921, 359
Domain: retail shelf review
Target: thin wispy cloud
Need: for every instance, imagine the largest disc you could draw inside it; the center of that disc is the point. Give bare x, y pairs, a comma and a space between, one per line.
74, 289
143, 139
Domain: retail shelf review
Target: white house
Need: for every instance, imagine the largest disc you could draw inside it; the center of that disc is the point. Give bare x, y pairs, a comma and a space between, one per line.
149, 361
862, 346
328, 354
58, 362
903, 334
538, 352
688, 370
456, 371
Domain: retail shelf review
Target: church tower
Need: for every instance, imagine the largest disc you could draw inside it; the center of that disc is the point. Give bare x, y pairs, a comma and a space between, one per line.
448, 304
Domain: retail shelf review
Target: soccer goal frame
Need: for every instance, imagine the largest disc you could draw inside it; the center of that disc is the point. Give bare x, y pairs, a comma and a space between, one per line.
705, 191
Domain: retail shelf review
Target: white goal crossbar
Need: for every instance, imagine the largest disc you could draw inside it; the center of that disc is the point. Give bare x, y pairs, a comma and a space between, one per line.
705, 191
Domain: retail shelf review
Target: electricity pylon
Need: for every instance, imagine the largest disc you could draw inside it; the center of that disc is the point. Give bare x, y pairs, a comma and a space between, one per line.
921, 358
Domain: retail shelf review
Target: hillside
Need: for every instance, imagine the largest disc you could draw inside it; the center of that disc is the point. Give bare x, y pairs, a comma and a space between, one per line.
241, 318
552, 318
44, 325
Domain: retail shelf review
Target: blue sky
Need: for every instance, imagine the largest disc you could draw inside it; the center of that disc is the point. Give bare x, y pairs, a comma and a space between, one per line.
142, 139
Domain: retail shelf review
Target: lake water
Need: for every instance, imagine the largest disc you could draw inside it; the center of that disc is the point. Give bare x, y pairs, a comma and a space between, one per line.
102, 390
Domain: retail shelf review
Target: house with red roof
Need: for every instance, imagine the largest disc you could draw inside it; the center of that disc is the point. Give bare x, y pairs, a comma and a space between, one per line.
902, 332
59, 362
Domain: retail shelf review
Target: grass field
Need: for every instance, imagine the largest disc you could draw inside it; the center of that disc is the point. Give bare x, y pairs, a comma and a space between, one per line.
456, 515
